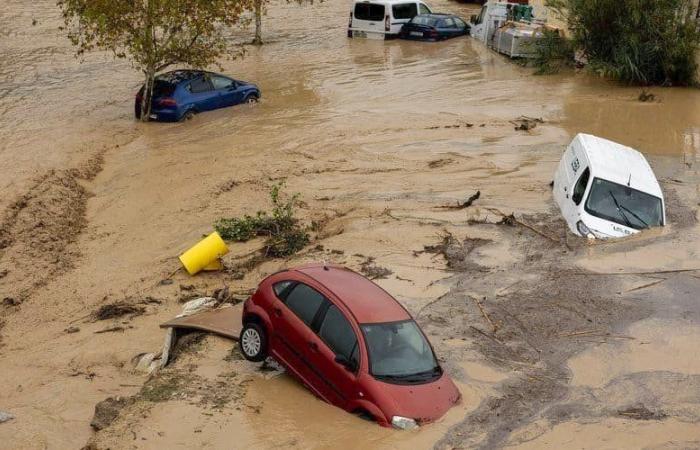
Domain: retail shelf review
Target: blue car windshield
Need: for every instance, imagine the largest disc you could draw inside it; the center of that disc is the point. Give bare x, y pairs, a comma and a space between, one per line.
424, 20
399, 351
624, 205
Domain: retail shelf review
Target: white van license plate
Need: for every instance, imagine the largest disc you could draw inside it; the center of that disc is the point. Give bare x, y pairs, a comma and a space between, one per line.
416, 33
356, 33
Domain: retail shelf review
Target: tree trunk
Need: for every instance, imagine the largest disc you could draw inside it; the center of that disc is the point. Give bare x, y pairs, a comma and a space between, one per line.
147, 94
258, 23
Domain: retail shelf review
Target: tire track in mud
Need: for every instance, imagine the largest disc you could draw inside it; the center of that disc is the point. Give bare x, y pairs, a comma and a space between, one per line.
532, 328
38, 230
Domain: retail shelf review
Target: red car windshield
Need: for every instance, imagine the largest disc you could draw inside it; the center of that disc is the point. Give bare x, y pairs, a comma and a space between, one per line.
399, 352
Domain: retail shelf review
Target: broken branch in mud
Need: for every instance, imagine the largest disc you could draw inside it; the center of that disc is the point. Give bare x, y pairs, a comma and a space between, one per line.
511, 219
464, 205
655, 272
111, 330
644, 286
494, 326
580, 333
487, 335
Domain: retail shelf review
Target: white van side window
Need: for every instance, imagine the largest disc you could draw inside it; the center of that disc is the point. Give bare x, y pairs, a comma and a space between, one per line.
405, 10
423, 9
580, 187
369, 11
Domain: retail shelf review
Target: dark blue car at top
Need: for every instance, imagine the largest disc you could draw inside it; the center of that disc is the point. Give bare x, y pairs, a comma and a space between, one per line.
181, 94
434, 27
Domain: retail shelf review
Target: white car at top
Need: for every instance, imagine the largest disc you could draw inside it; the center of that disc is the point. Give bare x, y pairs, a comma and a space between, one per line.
607, 190
382, 19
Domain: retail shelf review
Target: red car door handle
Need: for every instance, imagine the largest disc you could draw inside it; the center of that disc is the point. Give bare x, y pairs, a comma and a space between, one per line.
313, 346
278, 312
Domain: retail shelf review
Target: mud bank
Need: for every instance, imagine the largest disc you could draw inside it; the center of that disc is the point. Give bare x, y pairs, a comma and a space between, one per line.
545, 341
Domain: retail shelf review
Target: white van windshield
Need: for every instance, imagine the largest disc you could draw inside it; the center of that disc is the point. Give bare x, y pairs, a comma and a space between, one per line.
369, 11
405, 10
624, 205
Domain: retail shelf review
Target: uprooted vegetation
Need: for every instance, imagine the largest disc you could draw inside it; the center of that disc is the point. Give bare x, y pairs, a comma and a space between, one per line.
284, 233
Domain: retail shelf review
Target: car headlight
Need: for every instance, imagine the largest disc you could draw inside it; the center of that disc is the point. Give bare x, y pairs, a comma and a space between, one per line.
584, 230
403, 423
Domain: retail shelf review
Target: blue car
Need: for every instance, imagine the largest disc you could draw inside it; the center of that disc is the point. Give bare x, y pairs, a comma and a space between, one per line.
434, 27
181, 94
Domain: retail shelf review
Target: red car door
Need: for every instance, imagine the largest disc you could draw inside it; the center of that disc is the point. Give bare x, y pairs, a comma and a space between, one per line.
291, 319
335, 355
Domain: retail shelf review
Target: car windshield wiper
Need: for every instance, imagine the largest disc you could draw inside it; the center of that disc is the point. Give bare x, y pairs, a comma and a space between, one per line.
646, 225
418, 376
620, 210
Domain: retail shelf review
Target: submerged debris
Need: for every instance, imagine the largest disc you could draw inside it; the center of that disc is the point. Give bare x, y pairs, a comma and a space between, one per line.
187, 343
118, 309
437, 163
456, 253
5, 416
641, 412
645, 96
107, 411
525, 123
372, 271
466, 204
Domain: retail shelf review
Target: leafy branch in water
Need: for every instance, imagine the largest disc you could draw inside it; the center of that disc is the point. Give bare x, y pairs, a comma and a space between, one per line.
552, 53
285, 236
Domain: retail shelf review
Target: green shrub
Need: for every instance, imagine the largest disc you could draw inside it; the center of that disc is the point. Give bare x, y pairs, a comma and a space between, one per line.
552, 53
285, 236
635, 41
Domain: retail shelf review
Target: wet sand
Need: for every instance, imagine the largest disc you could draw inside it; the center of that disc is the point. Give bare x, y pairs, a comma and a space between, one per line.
374, 136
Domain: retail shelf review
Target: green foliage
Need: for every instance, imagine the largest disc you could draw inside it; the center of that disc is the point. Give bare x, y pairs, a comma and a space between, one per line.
552, 53
635, 41
153, 34
284, 234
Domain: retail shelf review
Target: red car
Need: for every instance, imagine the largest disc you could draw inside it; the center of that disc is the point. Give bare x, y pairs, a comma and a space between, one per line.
350, 342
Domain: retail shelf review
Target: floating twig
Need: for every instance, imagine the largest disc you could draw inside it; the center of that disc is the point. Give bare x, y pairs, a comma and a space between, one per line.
494, 327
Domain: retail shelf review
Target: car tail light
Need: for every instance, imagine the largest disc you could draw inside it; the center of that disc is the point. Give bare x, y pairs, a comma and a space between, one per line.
167, 102
433, 33
350, 21
387, 24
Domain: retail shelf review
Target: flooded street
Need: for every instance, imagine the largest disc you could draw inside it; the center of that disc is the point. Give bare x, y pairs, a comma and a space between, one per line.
375, 137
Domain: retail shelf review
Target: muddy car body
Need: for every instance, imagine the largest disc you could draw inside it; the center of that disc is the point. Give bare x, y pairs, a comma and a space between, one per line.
349, 342
434, 27
607, 190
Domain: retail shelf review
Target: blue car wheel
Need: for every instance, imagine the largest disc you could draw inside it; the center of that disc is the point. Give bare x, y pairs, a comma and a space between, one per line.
251, 98
189, 114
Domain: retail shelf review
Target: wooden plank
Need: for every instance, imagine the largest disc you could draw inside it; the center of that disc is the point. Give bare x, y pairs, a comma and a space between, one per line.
226, 322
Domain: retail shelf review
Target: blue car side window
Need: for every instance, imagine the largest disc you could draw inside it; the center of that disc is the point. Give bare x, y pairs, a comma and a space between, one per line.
200, 85
222, 83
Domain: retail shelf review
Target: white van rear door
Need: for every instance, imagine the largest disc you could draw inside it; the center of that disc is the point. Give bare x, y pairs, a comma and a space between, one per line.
368, 17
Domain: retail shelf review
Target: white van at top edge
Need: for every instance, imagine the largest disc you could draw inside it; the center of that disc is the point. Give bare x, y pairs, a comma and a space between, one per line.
382, 19
607, 190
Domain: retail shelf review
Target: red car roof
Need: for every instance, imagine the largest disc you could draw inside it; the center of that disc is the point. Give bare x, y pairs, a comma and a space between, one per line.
368, 302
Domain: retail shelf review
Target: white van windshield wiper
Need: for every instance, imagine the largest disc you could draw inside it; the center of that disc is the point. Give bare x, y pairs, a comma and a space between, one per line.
646, 225
620, 210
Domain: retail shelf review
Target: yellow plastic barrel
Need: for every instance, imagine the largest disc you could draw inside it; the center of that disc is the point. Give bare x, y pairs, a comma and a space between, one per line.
205, 253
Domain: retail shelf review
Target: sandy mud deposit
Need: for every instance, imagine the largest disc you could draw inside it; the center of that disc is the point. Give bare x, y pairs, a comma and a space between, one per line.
552, 341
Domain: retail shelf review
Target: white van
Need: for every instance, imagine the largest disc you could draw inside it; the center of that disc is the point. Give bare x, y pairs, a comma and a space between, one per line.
607, 190
382, 19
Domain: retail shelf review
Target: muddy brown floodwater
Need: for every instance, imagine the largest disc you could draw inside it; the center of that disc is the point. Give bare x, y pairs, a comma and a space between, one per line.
551, 346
